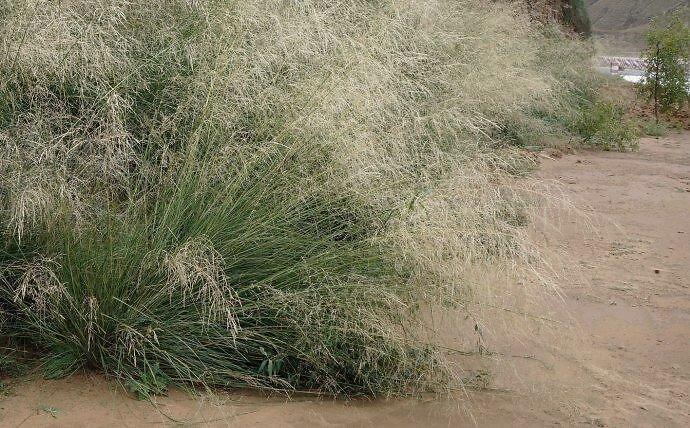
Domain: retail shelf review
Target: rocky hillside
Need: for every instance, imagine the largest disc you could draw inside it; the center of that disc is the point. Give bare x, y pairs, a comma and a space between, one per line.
573, 13
619, 25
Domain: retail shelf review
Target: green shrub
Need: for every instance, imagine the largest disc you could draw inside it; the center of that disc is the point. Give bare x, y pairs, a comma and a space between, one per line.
668, 55
601, 124
655, 129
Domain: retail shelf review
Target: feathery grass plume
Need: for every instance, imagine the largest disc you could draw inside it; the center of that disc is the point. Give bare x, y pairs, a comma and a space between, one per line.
265, 193
197, 267
40, 287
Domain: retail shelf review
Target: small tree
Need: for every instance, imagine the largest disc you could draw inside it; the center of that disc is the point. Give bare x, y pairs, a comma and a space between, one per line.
667, 54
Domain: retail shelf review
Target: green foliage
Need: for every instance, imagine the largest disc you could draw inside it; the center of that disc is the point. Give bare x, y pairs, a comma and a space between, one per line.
52, 411
655, 129
11, 366
241, 282
667, 54
151, 382
601, 124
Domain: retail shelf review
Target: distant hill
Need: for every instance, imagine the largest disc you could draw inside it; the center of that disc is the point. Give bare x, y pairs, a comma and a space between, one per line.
619, 25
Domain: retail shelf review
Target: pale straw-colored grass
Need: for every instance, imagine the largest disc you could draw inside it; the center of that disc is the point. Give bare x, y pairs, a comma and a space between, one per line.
265, 193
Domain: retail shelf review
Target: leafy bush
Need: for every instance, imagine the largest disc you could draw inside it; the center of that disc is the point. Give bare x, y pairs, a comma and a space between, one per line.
655, 129
668, 55
601, 124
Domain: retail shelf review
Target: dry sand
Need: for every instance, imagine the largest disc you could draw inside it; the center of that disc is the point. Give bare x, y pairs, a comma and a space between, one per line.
627, 294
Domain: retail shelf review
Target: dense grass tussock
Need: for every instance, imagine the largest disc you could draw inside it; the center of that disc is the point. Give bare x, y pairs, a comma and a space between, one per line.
261, 193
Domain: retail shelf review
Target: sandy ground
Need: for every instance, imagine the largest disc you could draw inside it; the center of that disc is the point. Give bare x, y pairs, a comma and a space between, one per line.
627, 294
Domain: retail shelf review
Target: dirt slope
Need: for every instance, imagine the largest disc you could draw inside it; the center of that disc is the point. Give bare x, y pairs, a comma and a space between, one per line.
620, 25
627, 292
628, 14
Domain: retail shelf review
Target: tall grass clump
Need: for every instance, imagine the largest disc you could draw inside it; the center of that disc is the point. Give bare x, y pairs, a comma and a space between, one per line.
263, 193
219, 280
